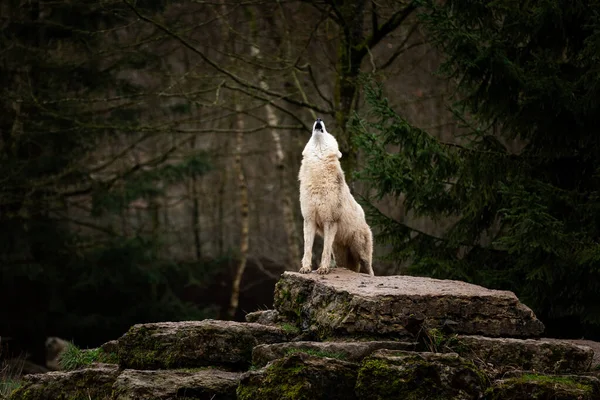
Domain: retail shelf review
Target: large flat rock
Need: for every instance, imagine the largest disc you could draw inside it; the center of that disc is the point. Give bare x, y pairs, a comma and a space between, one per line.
544, 355
191, 344
175, 384
345, 303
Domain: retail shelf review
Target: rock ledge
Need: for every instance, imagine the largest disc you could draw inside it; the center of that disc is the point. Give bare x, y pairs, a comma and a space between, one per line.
346, 304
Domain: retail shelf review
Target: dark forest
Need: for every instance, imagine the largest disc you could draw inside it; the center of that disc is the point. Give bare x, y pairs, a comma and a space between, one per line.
149, 153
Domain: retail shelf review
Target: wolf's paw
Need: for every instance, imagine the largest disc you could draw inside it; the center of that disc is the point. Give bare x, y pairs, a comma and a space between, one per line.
305, 270
323, 270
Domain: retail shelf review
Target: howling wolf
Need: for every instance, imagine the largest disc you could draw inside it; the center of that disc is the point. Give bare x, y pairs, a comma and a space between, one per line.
329, 209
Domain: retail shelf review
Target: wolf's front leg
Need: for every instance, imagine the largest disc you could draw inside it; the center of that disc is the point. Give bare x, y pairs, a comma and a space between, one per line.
329, 232
310, 229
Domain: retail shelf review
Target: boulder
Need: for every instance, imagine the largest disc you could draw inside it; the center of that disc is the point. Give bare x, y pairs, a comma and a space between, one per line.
300, 377
534, 386
264, 317
345, 303
172, 384
392, 374
595, 346
544, 355
111, 346
95, 383
347, 351
191, 344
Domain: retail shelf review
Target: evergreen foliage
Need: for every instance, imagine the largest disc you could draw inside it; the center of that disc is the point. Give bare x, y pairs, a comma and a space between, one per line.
525, 220
62, 63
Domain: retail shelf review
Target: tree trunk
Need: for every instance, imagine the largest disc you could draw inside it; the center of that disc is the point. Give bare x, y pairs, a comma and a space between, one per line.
287, 204
195, 210
354, 45
244, 222
346, 88
224, 176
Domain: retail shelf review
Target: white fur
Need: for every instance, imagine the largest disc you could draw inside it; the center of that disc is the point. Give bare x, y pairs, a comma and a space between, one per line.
330, 210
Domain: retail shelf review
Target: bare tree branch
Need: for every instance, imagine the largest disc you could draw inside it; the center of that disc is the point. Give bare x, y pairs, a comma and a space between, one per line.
224, 71
390, 25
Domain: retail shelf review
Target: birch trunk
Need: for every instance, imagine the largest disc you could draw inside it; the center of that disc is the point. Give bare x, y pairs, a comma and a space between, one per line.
287, 205
195, 211
244, 220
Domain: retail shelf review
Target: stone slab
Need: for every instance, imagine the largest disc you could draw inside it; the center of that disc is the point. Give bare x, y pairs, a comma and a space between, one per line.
348, 351
543, 355
300, 376
95, 383
174, 384
192, 344
345, 303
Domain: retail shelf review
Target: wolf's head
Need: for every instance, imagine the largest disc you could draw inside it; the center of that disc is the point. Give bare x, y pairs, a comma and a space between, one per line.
319, 126
322, 143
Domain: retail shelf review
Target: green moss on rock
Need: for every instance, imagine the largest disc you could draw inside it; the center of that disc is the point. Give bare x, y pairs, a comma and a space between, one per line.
318, 353
300, 377
189, 344
549, 356
415, 376
290, 329
345, 304
89, 383
535, 386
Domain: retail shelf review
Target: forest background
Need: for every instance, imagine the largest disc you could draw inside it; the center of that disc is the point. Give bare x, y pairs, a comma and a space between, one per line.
150, 149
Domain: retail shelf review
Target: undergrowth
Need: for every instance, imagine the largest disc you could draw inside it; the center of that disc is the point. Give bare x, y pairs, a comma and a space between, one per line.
74, 357
10, 373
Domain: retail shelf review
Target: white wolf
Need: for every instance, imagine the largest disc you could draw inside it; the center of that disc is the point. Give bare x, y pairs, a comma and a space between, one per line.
329, 209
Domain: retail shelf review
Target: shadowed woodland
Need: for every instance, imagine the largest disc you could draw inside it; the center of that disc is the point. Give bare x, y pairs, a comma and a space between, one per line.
150, 151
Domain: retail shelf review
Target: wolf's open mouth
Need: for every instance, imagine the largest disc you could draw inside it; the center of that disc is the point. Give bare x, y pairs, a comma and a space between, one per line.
319, 126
